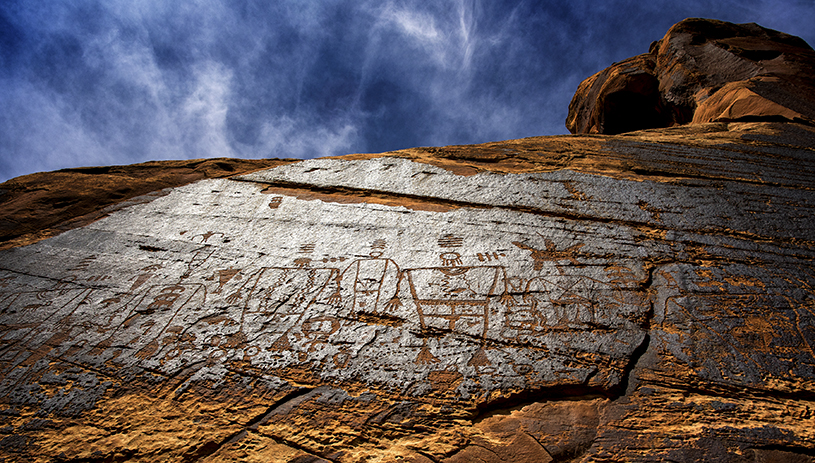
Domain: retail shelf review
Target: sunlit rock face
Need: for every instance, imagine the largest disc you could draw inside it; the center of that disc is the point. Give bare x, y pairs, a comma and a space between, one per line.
702, 71
644, 297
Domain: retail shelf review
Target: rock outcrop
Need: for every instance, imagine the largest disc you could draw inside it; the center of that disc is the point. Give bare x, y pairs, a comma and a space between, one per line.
638, 297
701, 71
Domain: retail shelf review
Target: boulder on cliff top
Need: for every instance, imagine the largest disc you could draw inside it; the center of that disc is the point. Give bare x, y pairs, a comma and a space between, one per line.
702, 71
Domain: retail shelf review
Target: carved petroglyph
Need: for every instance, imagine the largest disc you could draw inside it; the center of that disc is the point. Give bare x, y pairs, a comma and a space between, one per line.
275, 202
455, 298
148, 319
223, 276
551, 254
83, 264
280, 299
368, 285
728, 340
28, 318
451, 241
430, 303
281, 316
490, 256
199, 257
204, 237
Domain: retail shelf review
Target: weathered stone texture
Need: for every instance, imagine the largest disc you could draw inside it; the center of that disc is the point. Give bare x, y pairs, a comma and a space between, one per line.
41, 205
644, 297
701, 71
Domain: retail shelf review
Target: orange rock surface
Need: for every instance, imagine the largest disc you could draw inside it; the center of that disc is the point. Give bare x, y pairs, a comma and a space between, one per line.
37, 206
701, 71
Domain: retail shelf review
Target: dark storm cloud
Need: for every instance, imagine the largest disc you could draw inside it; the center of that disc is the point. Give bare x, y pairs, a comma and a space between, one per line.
117, 82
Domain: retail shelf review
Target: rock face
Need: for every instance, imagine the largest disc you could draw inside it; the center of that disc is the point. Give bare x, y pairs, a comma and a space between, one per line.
638, 297
645, 297
37, 206
701, 71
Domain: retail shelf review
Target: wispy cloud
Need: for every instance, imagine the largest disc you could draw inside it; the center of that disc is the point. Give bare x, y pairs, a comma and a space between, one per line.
445, 31
203, 111
113, 82
287, 137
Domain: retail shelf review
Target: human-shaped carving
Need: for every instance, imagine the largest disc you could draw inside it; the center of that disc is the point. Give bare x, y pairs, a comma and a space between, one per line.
522, 317
564, 302
314, 334
368, 285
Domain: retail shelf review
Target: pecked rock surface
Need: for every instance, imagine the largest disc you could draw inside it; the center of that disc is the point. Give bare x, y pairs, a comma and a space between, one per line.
641, 297
703, 70
37, 206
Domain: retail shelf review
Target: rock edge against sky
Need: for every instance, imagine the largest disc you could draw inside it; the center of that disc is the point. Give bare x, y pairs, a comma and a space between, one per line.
637, 297
701, 71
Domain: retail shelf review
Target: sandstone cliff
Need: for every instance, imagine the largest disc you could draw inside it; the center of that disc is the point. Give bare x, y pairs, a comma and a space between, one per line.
701, 71
639, 297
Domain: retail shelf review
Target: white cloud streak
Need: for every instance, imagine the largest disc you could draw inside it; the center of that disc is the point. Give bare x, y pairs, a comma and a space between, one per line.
445, 31
204, 110
114, 82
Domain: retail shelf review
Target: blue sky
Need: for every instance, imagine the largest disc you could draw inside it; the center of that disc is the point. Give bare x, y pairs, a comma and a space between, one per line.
87, 83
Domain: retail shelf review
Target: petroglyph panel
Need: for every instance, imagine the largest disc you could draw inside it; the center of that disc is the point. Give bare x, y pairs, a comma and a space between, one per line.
490, 299
557, 286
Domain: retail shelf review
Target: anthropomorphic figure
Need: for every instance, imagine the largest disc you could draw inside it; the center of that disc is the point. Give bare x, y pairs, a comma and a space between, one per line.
368, 285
